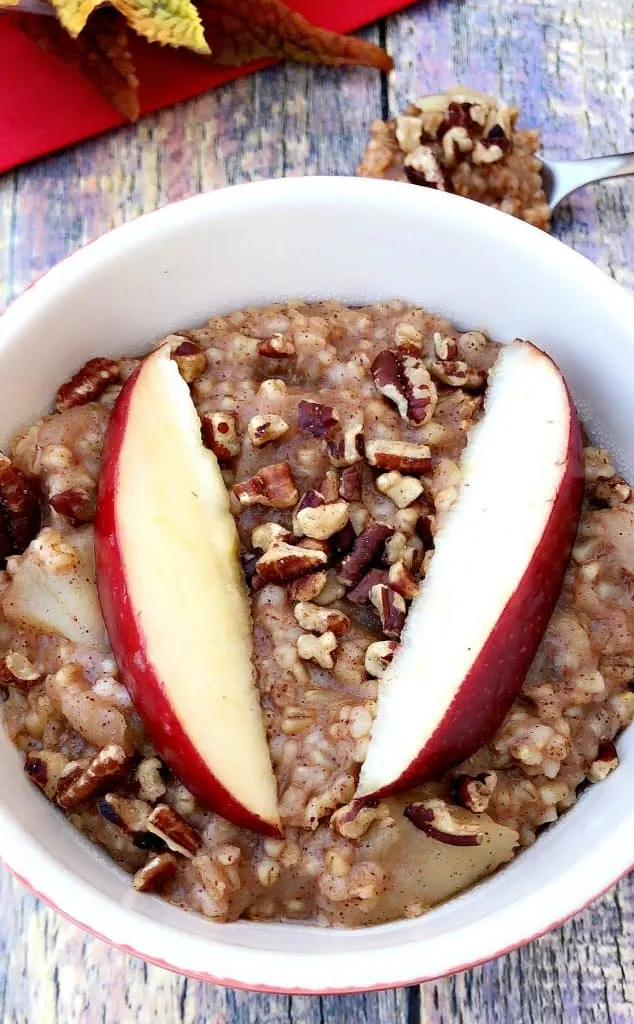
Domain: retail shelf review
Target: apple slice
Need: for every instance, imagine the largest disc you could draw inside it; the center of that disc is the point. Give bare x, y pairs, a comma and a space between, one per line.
497, 571
174, 599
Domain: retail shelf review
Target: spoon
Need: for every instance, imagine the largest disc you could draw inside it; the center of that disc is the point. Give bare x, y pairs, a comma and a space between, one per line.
561, 178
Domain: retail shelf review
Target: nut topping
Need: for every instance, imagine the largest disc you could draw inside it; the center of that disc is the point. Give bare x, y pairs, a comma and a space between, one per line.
350, 484
366, 547
191, 361
317, 648
87, 384
444, 347
329, 486
276, 347
606, 761
264, 429
360, 593
155, 874
401, 580
127, 813
45, 768
307, 588
378, 656
457, 374
20, 516
474, 791
399, 455
609, 493
423, 168
273, 486
177, 833
107, 767
404, 380
77, 504
283, 562
266, 535
346, 447
321, 522
219, 433
402, 490
391, 608
318, 420
434, 818
320, 620
151, 784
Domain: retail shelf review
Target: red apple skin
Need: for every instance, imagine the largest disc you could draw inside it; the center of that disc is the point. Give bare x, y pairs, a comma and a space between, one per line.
497, 676
128, 645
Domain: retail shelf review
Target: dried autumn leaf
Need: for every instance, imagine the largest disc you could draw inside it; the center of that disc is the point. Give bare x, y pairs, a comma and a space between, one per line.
9, 3
244, 30
101, 52
171, 22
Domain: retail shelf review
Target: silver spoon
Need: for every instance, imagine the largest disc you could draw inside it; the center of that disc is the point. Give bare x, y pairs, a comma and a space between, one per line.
566, 176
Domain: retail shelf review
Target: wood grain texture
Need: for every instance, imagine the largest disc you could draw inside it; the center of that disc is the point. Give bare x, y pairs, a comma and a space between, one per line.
569, 64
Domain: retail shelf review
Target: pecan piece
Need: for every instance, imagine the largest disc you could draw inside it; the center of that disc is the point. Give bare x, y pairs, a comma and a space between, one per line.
360, 593
20, 516
342, 542
151, 784
320, 620
266, 535
402, 490
404, 380
401, 580
423, 168
317, 648
474, 791
155, 873
400, 455
283, 562
426, 528
350, 484
457, 374
329, 486
276, 347
191, 361
318, 420
87, 384
264, 429
178, 834
378, 656
434, 818
445, 347
131, 816
77, 504
354, 819
307, 588
106, 767
605, 762
609, 493
220, 435
345, 447
391, 608
366, 547
45, 769
273, 486
323, 520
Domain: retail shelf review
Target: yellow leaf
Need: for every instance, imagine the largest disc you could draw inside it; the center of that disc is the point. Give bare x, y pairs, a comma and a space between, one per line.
171, 22
9, 3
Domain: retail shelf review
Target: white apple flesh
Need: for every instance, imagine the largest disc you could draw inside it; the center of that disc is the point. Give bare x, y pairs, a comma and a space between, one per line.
498, 567
174, 600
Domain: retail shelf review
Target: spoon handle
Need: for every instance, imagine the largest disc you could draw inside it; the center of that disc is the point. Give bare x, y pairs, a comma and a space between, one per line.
569, 175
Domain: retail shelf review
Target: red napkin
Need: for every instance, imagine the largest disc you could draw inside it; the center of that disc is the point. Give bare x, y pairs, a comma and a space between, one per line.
46, 104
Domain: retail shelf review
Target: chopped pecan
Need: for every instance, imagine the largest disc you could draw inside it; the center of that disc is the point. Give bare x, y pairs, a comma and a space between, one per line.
404, 380
220, 434
306, 588
486, 152
402, 490
350, 484
422, 167
131, 816
400, 455
264, 429
434, 818
273, 486
457, 374
155, 874
354, 819
342, 542
468, 116
276, 347
391, 608
322, 521
77, 504
445, 347
309, 499
366, 547
456, 141
605, 762
106, 767
283, 562
318, 420
313, 544
609, 493
329, 486
191, 361
474, 791
266, 535
378, 656
87, 384
45, 768
320, 620
426, 528
178, 834
331, 591
345, 447
401, 580
150, 780
408, 131
20, 516
360, 593
317, 648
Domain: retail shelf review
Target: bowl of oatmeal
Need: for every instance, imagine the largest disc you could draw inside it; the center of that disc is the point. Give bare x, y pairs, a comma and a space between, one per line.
274, 301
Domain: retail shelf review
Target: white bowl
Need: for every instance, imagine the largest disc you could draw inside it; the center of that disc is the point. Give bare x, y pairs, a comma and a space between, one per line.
356, 240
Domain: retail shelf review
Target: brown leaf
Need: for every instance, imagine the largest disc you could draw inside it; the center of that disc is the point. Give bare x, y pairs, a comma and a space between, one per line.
101, 51
239, 31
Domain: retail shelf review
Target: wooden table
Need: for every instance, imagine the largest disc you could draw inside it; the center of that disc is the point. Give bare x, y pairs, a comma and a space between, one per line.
569, 65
